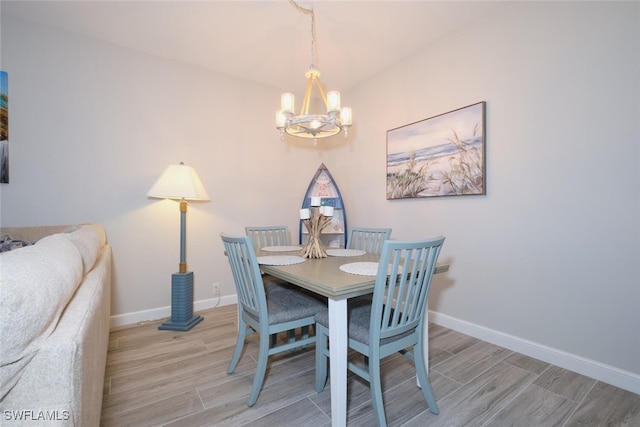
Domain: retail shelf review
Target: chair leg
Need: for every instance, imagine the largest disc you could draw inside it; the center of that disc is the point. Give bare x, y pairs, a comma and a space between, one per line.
261, 369
304, 334
423, 378
242, 333
322, 341
376, 391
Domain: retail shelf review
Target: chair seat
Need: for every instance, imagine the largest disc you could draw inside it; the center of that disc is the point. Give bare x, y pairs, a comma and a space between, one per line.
288, 305
274, 284
359, 315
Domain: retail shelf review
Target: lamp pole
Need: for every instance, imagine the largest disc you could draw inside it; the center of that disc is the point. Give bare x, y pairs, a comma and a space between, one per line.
182, 267
182, 317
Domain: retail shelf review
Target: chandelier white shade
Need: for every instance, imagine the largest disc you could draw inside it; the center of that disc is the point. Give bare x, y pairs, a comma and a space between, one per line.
328, 120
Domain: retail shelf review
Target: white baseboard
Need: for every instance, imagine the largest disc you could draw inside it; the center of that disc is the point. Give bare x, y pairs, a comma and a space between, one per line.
605, 373
144, 316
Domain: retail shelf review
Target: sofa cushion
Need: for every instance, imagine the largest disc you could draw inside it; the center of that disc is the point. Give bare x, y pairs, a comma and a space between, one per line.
89, 239
36, 284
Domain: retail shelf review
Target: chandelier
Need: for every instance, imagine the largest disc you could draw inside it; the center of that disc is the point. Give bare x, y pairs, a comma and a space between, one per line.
308, 124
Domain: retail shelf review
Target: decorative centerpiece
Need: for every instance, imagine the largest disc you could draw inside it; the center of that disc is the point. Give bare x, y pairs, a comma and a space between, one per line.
315, 219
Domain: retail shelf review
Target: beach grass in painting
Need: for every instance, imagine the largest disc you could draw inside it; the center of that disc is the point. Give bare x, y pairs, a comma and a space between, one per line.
440, 156
4, 128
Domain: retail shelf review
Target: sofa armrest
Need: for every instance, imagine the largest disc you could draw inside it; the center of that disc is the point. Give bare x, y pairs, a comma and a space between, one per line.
66, 376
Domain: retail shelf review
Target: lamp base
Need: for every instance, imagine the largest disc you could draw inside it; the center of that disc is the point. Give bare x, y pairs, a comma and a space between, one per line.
182, 318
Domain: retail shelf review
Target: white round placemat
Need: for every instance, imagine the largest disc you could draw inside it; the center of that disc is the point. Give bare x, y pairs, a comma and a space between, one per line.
345, 252
361, 268
280, 260
281, 248
364, 268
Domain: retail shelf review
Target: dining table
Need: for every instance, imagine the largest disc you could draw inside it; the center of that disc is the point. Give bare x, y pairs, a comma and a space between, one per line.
325, 277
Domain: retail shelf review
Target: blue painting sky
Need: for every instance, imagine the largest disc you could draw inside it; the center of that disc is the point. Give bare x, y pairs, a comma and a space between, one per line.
3, 82
434, 131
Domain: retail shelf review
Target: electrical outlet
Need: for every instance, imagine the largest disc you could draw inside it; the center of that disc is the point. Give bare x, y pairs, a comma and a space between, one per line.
216, 289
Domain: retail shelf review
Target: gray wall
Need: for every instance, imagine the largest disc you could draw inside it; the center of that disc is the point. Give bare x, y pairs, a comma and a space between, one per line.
551, 254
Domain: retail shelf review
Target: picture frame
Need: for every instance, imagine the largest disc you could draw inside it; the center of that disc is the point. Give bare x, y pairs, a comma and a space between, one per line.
440, 156
4, 128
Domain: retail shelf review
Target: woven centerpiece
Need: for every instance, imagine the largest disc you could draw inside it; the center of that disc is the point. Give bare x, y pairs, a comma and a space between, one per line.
316, 222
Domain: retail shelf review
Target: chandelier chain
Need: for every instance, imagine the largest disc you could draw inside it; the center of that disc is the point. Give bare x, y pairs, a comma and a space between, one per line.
313, 29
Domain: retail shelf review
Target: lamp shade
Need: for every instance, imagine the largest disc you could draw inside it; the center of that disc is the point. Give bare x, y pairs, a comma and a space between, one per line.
179, 182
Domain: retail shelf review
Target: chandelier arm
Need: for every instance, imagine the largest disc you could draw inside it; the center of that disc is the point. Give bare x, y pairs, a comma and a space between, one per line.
306, 101
324, 96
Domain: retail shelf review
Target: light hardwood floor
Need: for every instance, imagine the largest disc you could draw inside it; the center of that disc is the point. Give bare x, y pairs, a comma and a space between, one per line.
166, 378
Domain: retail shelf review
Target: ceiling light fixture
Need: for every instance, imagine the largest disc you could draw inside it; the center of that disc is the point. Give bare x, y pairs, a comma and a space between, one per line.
306, 124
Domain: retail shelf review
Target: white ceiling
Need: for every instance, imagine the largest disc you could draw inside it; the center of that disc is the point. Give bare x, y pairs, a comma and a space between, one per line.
267, 42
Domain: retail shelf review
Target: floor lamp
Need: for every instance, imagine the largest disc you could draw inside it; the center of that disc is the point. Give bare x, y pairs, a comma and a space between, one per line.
180, 182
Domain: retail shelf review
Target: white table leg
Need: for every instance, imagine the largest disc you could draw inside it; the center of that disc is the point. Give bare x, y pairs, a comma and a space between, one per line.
338, 353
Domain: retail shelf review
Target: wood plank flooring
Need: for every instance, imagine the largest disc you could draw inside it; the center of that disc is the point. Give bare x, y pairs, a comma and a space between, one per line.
166, 378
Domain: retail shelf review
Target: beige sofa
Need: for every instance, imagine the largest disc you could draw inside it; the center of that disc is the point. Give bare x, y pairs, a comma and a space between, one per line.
54, 325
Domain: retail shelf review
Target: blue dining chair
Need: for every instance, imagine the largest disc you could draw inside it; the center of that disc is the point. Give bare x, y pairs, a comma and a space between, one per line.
271, 235
368, 239
392, 321
264, 314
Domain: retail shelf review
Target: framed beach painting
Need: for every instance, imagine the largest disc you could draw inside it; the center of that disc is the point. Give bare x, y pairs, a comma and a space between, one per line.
4, 128
439, 156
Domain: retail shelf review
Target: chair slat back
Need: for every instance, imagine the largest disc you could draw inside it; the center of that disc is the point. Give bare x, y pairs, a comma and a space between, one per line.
402, 286
277, 235
246, 275
368, 239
